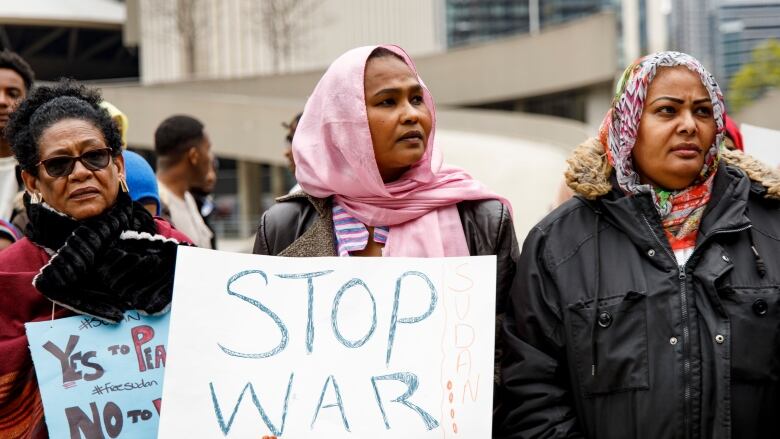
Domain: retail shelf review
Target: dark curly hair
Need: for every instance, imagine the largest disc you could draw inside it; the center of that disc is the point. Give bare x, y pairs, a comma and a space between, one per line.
11, 60
46, 106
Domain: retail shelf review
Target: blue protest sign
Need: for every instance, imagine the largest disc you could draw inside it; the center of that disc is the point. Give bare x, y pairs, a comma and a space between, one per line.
100, 380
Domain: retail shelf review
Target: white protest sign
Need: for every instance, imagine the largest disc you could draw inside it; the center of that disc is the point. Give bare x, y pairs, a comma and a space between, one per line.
762, 143
329, 347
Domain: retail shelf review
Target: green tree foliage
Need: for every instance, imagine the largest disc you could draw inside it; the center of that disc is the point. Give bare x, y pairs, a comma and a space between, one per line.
756, 77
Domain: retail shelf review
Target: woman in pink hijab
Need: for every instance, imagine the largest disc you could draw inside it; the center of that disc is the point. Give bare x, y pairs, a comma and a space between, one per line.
373, 182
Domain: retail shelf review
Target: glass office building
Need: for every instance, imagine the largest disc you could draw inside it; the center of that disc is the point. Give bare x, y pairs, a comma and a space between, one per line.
471, 21
742, 26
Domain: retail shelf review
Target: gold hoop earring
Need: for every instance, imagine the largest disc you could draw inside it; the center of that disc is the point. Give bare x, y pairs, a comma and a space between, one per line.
35, 198
123, 185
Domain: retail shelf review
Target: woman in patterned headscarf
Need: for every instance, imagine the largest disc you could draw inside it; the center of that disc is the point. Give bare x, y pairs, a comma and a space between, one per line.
649, 306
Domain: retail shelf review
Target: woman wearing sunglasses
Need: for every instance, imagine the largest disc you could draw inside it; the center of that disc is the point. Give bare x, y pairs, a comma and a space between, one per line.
88, 248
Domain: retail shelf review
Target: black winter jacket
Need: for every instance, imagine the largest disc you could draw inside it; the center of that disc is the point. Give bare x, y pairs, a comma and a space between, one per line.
607, 337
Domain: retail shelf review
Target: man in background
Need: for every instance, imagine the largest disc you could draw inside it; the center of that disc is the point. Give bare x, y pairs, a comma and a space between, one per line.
184, 161
205, 200
291, 127
16, 80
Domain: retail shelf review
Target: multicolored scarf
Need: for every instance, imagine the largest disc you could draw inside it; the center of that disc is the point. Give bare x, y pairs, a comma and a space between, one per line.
681, 211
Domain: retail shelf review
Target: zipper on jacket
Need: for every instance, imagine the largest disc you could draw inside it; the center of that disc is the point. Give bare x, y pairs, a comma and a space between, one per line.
686, 344
681, 275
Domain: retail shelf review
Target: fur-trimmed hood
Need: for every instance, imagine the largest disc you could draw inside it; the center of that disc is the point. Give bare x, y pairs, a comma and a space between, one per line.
588, 173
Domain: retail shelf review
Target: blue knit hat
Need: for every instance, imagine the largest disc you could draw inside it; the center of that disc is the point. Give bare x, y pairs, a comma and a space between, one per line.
9, 232
140, 179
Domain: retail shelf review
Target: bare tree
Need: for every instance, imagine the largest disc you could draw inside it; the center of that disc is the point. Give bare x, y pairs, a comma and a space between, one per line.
283, 24
185, 23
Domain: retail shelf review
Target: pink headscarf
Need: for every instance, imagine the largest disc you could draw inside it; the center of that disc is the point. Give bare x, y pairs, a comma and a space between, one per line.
334, 156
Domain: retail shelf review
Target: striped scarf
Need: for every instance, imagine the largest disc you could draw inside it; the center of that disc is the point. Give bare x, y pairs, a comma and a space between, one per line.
351, 234
680, 211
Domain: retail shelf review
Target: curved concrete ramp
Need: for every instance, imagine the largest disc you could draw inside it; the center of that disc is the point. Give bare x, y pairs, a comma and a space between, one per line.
527, 173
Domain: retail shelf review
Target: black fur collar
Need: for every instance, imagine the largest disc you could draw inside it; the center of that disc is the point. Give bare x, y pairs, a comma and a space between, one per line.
104, 265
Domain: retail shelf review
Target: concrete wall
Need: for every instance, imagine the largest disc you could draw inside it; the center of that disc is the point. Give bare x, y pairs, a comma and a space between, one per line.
249, 128
527, 173
231, 41
510, 152
564, 57
243, 116
239, 127
569, 56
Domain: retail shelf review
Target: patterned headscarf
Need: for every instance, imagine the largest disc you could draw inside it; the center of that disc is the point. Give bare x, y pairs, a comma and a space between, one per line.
680, 210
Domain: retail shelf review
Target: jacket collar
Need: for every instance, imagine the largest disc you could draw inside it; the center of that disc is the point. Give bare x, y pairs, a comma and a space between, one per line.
319, 239
727, 207
739, 176
321, 205
589, 173
636, 217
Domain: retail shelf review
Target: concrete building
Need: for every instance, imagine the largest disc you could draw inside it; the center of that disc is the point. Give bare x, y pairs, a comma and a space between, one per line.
243, 115
197, 39
230, 39
243, 89
639, 27
82, 39
219, 61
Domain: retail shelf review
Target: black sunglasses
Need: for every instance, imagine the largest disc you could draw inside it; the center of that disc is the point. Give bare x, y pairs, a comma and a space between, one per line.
62, 165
